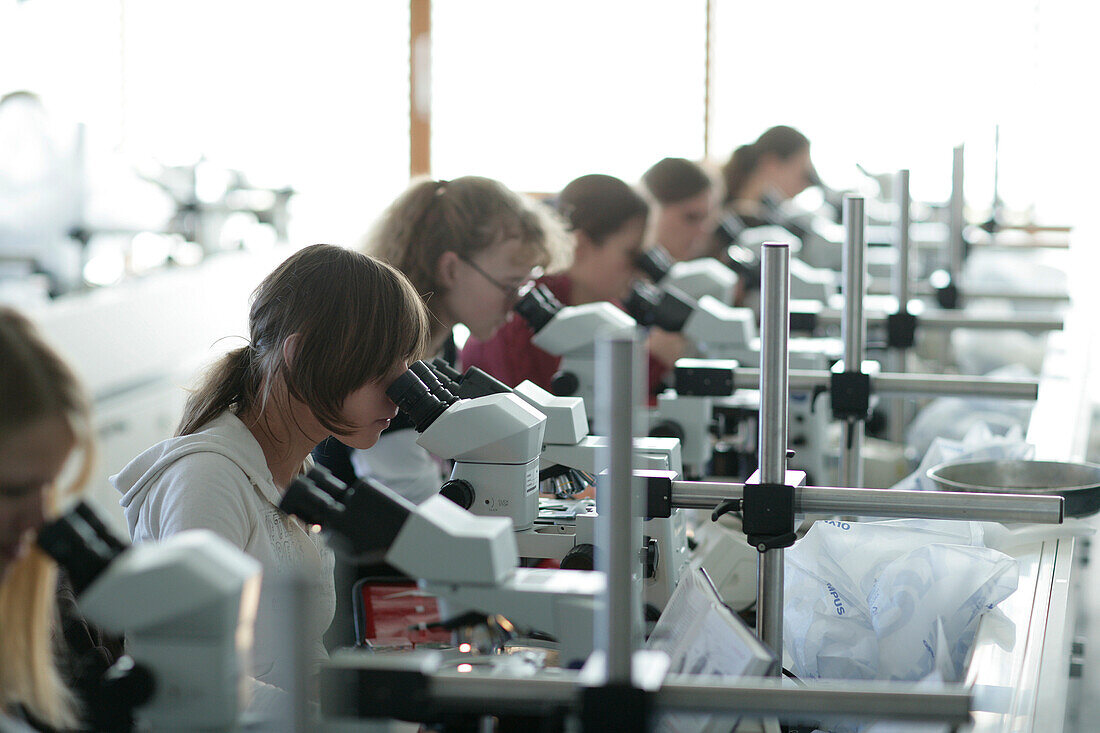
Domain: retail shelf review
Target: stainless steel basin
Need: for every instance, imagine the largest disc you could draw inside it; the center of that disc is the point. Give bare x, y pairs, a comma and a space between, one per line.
1079, 483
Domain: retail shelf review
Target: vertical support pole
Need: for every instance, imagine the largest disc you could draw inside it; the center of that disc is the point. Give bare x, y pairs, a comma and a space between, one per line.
853, 334
618, 553
420, 87
956, 220
899, 406
774, 370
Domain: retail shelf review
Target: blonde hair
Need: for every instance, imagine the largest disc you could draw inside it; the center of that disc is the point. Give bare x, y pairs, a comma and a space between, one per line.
355, 317
35, 384
466, 215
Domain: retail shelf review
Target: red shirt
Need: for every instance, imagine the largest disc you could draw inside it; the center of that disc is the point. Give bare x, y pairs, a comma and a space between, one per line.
511, 357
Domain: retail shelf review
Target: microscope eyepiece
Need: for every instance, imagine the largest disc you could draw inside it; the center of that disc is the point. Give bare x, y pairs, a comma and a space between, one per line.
442, 368
642, 303
655, 262
83, 547
667, 309
412, 396
312, 503
433, 381
362, 519
537, 307
729, 229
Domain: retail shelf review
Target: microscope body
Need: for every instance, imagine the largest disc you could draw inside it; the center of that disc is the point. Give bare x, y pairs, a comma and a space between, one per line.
467, 561
572, 334
495, 441
704, 276
187, 606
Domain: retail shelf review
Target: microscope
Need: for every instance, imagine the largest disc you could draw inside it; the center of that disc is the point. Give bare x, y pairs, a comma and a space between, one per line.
714, 328
469, 562
563, 527
570, 332
699, 277
494, 441
186, 605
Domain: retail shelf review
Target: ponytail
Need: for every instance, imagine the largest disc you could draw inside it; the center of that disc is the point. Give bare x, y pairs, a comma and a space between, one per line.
354, 318
232, 382
738, 170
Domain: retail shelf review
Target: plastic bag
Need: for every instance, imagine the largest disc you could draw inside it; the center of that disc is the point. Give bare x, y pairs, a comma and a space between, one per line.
979, 443
865, 600
954, 417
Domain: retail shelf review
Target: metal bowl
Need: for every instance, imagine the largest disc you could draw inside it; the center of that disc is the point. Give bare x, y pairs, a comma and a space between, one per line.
1078, 483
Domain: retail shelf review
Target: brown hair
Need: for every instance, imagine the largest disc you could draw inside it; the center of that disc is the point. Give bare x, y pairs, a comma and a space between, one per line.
672, 180
600, 205
355, 318
35, 384
780, 141
465, 215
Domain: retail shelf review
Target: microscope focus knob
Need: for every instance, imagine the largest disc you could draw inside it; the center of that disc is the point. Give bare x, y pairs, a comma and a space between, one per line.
458, 491
581, 557
565, 384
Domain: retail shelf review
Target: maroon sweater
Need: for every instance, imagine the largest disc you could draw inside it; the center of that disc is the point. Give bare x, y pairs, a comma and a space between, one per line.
511, 357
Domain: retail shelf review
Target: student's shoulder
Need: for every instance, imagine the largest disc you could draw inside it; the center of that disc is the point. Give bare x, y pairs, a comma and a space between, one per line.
208, 471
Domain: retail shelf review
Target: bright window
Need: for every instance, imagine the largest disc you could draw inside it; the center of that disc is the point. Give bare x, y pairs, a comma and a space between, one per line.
536, 94
897, 85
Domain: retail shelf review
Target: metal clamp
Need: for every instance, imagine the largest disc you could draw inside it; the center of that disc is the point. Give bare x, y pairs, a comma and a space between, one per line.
768, 515
901, 330
850, 393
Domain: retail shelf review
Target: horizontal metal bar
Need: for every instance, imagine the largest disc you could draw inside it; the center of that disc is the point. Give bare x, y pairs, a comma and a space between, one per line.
944, 320
981, 507
923, 289
819, 699
855, 700
886, 383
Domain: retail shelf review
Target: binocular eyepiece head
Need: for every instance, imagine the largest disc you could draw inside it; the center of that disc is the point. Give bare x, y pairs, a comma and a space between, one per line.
82, 544
537, 306
422, 402
655, 262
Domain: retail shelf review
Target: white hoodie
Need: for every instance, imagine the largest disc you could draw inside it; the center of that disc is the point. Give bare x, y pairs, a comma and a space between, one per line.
217, 479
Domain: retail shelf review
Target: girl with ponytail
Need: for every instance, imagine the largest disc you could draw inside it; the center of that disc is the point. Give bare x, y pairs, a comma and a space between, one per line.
329, 330
468, 246
777, 165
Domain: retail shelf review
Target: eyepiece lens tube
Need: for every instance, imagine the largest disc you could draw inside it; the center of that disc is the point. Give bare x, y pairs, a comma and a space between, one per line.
79, 547
441, 366
413, 396
642, 303
327, 483
313, 504
431, 380
655, 263
537, 307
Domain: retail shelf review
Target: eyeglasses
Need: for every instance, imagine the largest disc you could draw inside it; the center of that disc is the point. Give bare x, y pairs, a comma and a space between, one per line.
512, 291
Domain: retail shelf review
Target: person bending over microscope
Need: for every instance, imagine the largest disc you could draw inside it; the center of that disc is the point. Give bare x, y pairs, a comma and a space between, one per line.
329, 330
44, 422
468, 246
608, 219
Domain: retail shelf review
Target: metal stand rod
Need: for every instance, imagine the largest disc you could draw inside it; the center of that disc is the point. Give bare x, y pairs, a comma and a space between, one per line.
956, 215
819, 698
774, 329
853, 334
618, 619
913, 385
898, 417
950, 320
888, 502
